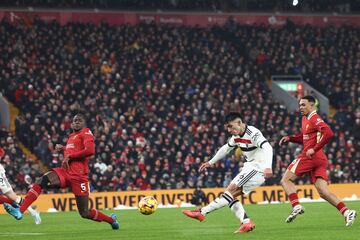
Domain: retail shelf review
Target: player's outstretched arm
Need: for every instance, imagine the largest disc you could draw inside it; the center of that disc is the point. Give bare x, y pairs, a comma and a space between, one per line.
298, 138
220, 154
89, 149
284, 139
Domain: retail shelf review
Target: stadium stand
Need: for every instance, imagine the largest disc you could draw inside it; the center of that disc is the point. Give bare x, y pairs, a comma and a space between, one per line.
156, 95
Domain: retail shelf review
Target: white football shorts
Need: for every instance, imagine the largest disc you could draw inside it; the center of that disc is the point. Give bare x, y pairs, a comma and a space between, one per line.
249, 178
4, 183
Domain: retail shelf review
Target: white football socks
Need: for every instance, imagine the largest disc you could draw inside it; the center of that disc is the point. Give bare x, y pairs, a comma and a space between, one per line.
32, 211
239, 211
227, 199
218, 203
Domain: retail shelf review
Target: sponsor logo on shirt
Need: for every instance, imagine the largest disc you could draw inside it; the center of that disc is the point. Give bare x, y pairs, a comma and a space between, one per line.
70, 145
255, 137
306, 137
318, 121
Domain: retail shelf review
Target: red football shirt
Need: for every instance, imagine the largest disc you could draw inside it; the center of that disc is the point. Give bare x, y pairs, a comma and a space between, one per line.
80, 146
315, 133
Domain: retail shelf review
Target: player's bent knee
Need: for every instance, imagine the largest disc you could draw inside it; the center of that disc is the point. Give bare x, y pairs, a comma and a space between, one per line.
285, 180
38, 181
85, 214
232, 188
43, 181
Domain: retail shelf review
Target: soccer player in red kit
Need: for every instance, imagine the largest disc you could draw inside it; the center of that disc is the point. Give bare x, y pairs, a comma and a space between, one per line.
315, 133
73, 173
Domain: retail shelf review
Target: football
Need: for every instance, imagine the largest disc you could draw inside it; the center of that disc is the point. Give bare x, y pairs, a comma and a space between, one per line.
148, 205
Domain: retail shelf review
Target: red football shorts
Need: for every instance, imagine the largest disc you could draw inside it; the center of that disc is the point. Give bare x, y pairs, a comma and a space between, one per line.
316, 167
79, 184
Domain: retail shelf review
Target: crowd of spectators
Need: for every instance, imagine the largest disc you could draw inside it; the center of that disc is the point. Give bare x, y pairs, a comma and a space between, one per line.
156, 95
308, 6
20, 171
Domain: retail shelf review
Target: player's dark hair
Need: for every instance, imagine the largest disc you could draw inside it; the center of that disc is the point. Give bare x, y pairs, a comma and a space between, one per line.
309, 98
231, 116
81, 114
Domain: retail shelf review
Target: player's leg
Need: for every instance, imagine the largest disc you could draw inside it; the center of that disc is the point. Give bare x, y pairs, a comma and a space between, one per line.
12, 206
227, 198
287, 182
34, 214
325, 193
16, 201
297, 168
10, 199
82, 203
81, 192
248, 180
224, 199
49, 179
246, 224
9, 196
289, 186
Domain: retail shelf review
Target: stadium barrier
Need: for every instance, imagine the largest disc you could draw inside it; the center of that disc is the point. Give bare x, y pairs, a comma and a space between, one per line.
110, 200
177, 18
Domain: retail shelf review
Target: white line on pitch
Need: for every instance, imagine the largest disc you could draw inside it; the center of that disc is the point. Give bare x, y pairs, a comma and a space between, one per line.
20, 234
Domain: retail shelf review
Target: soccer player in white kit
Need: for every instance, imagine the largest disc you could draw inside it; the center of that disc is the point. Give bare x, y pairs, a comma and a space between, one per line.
258, 154
11, 197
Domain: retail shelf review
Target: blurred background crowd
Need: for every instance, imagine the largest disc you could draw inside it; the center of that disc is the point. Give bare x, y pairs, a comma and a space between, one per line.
155, 96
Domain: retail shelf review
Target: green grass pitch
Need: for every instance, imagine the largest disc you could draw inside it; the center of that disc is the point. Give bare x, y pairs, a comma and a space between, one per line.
320, 221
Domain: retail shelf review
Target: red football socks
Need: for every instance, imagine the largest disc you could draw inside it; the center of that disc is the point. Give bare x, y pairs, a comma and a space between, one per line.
99, 216
294, 199
30, 197
341, 207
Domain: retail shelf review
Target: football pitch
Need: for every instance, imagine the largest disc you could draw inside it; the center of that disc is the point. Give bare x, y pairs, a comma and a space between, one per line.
320, 221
